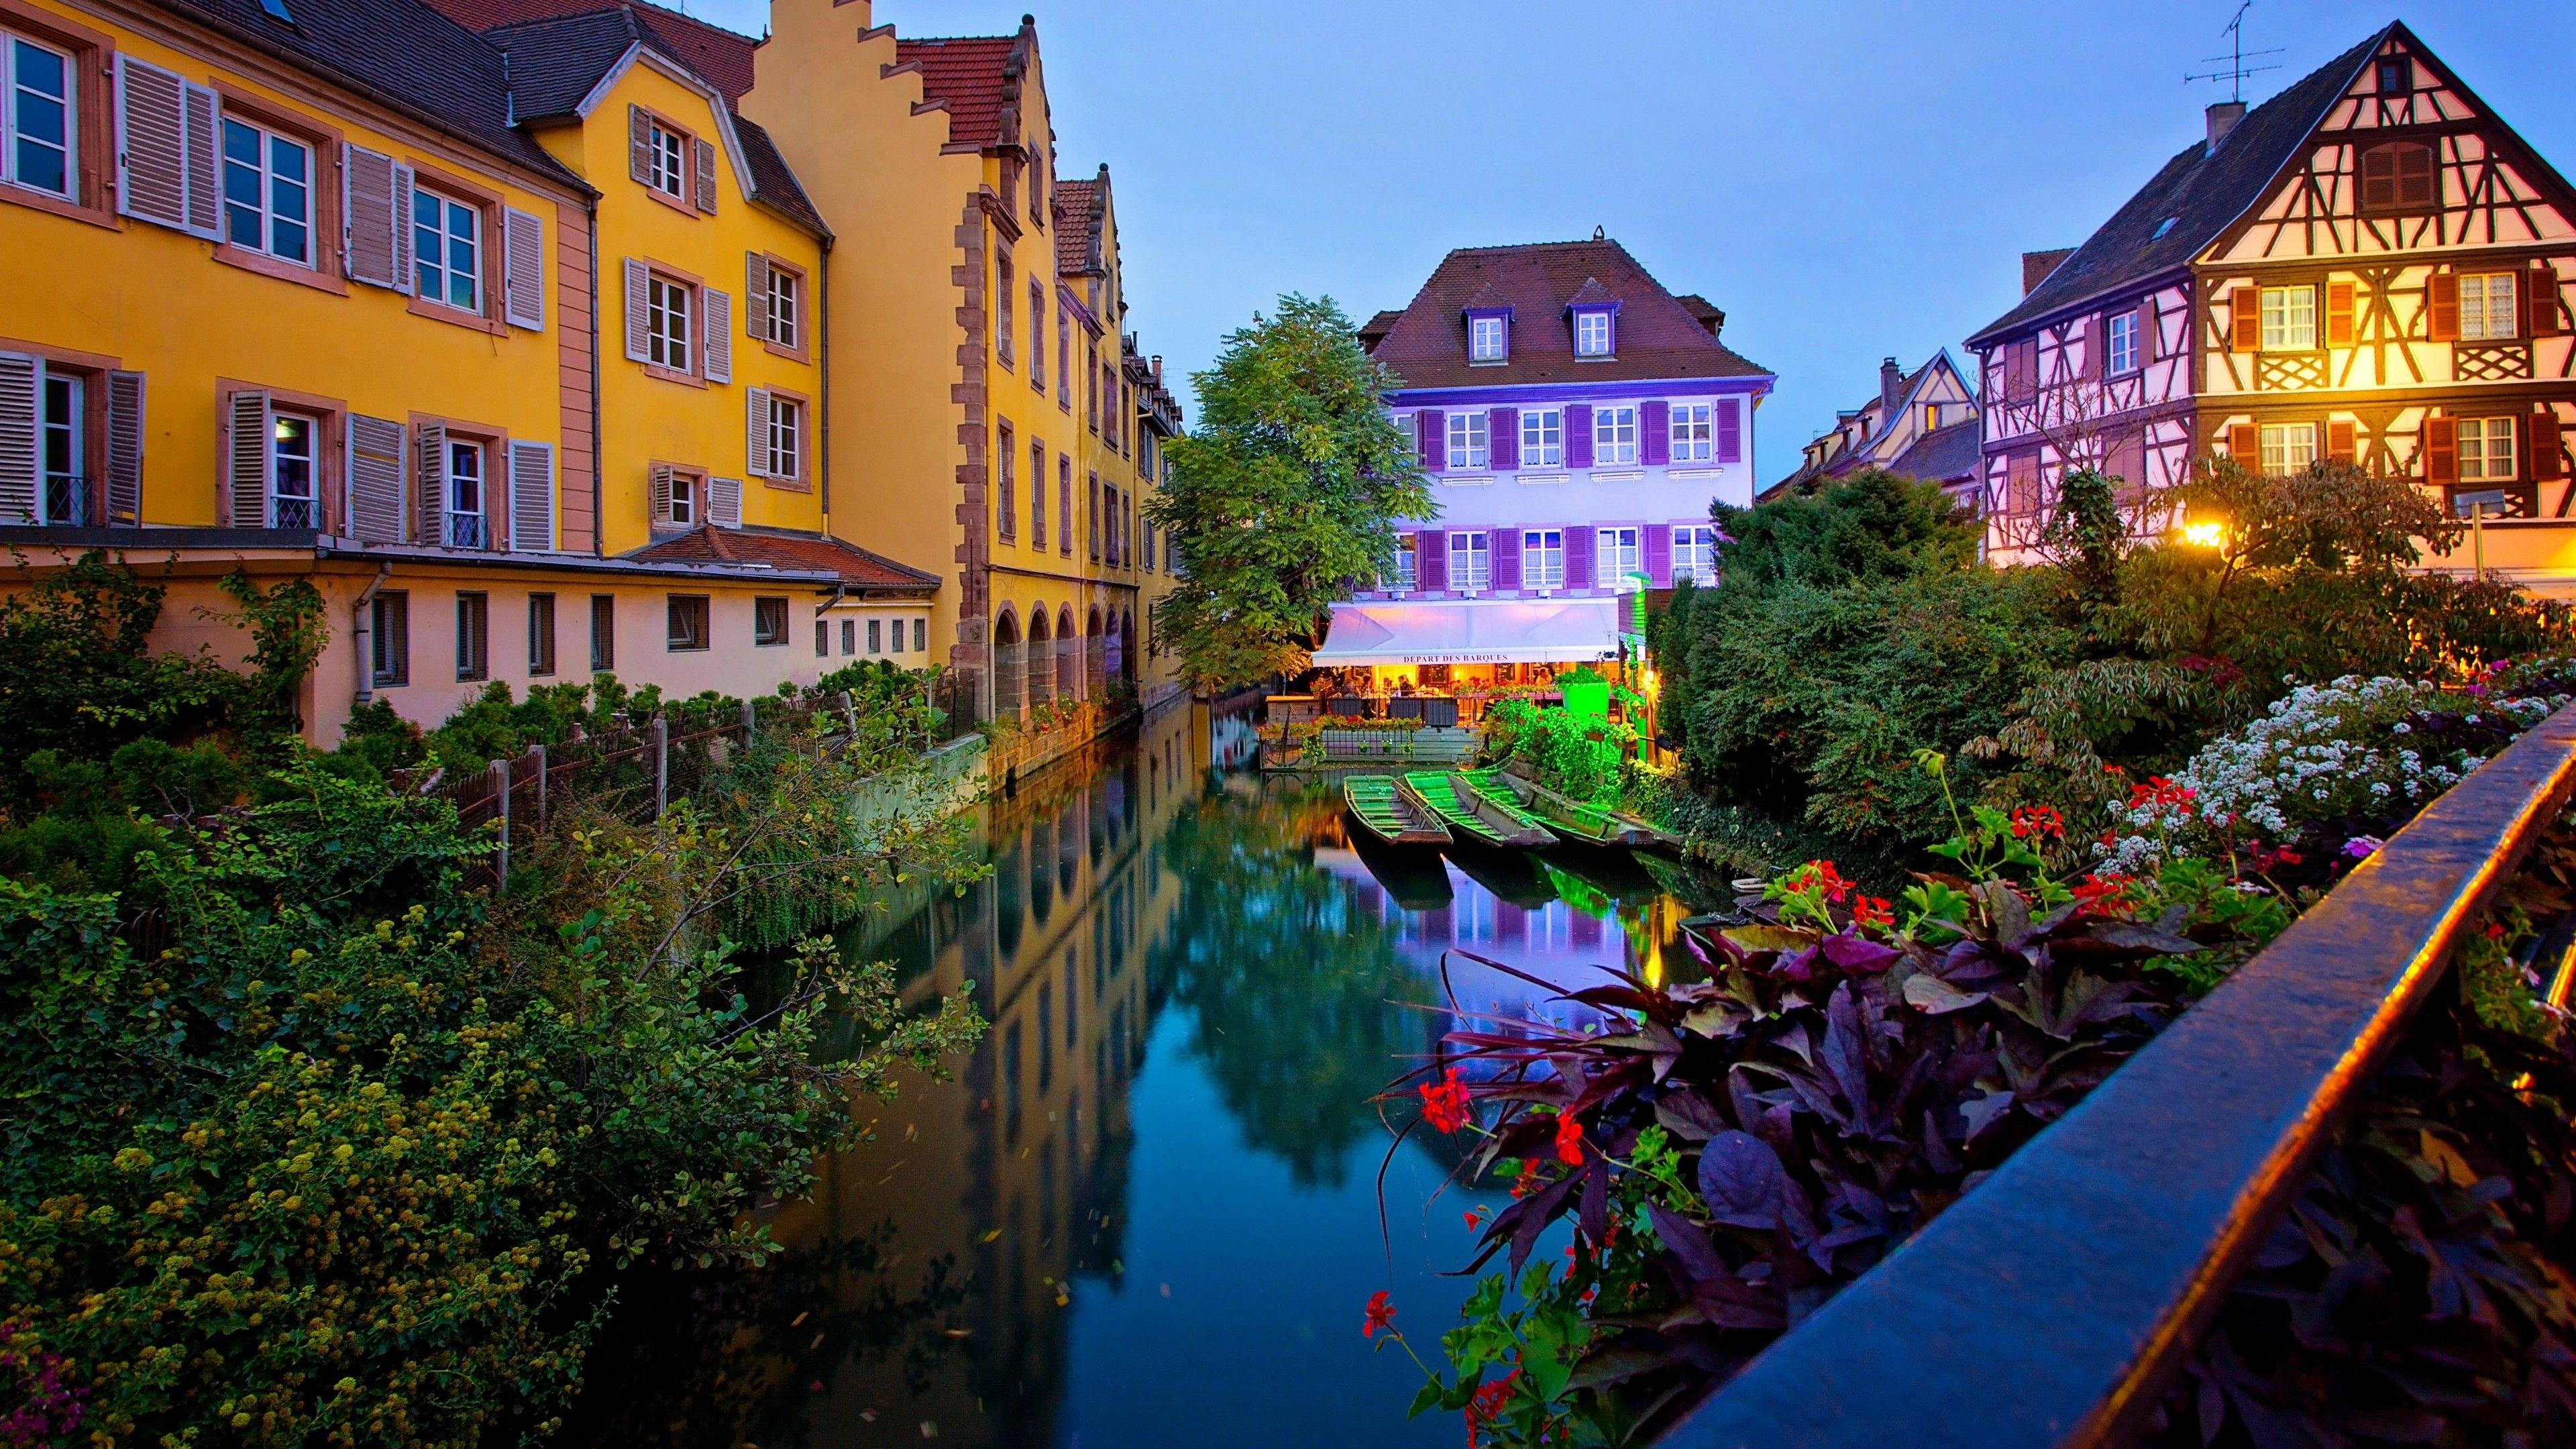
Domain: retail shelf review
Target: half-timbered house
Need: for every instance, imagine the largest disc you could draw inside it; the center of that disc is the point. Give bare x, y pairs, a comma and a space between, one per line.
1921, 425
2370, 266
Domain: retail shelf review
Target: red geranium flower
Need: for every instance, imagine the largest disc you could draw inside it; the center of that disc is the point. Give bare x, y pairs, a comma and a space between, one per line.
1444, 1103
1569, 1139
1820, 875
1381, 1314
2039, 820
1488, 1404
2103, 894
1872, 911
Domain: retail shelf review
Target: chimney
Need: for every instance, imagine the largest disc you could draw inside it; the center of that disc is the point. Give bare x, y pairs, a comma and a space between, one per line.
2223, 117
2035, 266
1158, 370
1890, 379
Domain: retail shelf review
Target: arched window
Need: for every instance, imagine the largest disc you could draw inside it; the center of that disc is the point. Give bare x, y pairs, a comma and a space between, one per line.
1009, 664
1040, 668
2397, 177
1068, 656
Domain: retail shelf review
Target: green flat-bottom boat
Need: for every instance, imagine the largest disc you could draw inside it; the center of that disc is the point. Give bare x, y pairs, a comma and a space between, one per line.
1486, 817
1390, 814
1571, 818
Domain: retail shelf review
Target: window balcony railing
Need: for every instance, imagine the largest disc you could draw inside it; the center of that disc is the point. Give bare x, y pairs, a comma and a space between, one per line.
66, 499
295, 513
467, 530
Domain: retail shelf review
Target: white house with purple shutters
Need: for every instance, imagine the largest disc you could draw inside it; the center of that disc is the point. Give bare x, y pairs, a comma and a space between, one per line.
1576, 421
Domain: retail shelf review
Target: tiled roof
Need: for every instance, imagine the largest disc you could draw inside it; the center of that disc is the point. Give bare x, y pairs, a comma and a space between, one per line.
859, 569
974, 75
2201, 192
718, 54
401, 52
1941, 455
1710, 315
773, 182
1079, 217
1658, 337
1378, 326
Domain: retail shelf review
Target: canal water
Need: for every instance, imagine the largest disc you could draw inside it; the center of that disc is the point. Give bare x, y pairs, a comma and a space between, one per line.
1147, 1212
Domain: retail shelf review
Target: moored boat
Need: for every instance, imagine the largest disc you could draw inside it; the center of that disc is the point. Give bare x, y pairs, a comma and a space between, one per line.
1390, 814
1571, 818
1473, 814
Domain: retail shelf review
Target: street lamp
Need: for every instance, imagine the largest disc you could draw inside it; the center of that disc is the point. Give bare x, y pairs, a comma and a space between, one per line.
2211, 534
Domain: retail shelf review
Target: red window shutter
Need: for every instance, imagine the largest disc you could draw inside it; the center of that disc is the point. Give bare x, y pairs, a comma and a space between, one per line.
2339, 442
2097, 342
1433, 426
2548, 464
1730, 430
2540, 302
2441, 450
2338, 314
1431, 561
1659, 555
2147, 339
2245, 445
1503, 433
1578, 435
2244, 319
2414, 175
1654, 432
2442, 306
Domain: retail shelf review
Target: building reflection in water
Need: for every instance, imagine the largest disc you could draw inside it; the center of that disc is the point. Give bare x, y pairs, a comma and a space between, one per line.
929, 1286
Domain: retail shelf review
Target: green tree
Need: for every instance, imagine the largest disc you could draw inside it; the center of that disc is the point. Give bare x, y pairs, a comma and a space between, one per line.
1284, 497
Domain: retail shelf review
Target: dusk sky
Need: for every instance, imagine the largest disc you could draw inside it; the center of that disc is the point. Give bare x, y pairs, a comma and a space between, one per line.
1845, 180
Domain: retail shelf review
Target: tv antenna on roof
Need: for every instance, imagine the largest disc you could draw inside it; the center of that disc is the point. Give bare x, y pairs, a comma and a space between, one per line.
2234, 70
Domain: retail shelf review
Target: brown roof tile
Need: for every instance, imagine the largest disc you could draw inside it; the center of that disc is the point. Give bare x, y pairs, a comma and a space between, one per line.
971, 74
718, 54
1079, 217
859, 569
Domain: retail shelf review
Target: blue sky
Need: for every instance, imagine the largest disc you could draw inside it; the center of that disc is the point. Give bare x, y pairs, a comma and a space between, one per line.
1846, 180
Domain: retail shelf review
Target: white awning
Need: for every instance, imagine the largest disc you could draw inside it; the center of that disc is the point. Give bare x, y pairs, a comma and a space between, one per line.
1471, 631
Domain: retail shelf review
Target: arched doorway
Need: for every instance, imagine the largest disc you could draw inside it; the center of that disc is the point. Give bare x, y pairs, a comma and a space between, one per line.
1117, 648
1010, 662
1095, 655
1040, 668
1127, 643
1068, 655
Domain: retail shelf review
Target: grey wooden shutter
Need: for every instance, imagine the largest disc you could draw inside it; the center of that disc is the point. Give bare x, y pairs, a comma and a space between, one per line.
125, 447
755, 296
756, 433
724, 502
375, 479
405, 281
639, 145
21, 463
246, 424
638, 344
524, 254
532, 497
716, 322
706, 176
151, 143
431, 476
665, 485
205, 216
368, 216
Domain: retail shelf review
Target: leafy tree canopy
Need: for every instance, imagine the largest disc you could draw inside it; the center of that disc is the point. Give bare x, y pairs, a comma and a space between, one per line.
1284, 497
1871, 525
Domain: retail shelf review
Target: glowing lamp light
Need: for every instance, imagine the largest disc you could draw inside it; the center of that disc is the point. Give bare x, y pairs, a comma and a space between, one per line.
2206, 535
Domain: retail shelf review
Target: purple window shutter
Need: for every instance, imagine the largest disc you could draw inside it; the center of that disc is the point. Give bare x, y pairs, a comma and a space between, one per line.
1578, 435
1578, 556
1730, 430
1434, 426
1507, 558
1503, 431
1655, 432
1431, 561
1659, 555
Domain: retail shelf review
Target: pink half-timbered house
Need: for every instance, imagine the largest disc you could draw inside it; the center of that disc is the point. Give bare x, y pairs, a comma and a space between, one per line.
2370, 266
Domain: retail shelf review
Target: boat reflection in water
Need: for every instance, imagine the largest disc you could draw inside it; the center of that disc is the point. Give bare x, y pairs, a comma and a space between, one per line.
1146, 1212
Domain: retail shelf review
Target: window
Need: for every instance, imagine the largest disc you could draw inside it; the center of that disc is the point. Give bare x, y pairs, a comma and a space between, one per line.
447, 251
2288, 447
268, 192
389, 640
768, 622
37, 118
295, 498
1484, 339
1407, 569
1931, 417
1471, 562
666, 323
1694, 433
2120, 344
1543, 438
1064, 358
876, 643
1614, 556
1614, 434
2289, 319
465, 496
1003, 323
2486, 450
1592, 333
64, 445
1007, 510
2486, 307
2397, 177
1543, 558
2396, 75
786, 295
920, 636
822, 638
849, 636
1037, 493
541, 634
785, 445
668, 169
1467, 443
473, 636
603, 633
688, 622
1064, 505
1037, 337
1695, 553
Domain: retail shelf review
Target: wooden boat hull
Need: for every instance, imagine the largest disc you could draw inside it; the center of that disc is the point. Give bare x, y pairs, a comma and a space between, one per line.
1384, 810
1575, 821
1473, 815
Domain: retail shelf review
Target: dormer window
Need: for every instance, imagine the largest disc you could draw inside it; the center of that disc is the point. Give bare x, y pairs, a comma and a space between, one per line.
1485, 338
1593, 333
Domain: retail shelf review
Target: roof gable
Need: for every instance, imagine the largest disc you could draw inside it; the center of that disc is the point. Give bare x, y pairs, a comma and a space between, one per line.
722, 56
977, 80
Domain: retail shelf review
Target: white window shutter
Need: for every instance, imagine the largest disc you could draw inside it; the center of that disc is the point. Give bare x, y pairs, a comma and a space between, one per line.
718, 327
405, 279
368, 216
205, 213
638, 343
431, 477
756, 433
724, 502
755, 296
639, 145
706, 176
532, 497
665, 486
20, 462
151, 143
246, 454
125, 447
524, 252
375, 479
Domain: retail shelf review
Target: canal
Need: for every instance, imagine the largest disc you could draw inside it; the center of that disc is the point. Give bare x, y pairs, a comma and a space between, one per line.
1147, 1210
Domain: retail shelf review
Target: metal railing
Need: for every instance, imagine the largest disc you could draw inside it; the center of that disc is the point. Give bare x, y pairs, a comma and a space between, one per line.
2053, 1304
